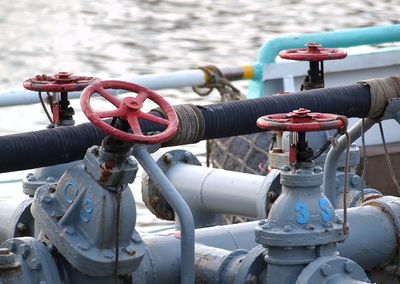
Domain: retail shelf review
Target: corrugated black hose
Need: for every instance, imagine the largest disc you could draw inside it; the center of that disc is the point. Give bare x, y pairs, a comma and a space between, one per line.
66, 144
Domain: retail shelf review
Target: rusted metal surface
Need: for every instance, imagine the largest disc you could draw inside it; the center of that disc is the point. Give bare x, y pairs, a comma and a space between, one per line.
313, 52
301, 120
129, 109
60, 82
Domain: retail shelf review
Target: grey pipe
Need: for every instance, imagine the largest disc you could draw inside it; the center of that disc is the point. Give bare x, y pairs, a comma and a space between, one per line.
161, 263
180, 208
333, 157
220, 191
372, 243
215, 265
372, 237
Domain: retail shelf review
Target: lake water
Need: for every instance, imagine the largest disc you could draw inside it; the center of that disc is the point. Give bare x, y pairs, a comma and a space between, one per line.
111, 39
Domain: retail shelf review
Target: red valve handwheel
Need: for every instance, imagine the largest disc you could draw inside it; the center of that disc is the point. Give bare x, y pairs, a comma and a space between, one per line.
301, 120
129, 109
60, 82
313, 52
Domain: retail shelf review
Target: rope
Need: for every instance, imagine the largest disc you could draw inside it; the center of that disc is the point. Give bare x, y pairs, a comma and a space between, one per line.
44, 108
388, 161
193, 128
216, 80
381, 91
117, 232
365, 159
346, 181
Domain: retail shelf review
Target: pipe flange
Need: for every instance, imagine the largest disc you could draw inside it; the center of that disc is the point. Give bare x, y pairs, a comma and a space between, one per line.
151, 195
252, 266
391, 206
330, 268
37, 263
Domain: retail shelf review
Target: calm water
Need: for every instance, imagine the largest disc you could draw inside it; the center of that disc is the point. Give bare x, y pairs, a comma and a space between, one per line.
111, 39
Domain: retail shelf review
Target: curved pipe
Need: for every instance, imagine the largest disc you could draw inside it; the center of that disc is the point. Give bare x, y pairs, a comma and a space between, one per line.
333, 156
339, 38
66, 144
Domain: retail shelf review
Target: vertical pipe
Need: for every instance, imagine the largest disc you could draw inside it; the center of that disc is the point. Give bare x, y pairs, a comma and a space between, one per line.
180, 208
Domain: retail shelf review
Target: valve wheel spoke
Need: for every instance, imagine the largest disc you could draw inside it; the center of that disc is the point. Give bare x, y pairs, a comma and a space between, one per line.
108, 96
134, 124
111, 113
154, 118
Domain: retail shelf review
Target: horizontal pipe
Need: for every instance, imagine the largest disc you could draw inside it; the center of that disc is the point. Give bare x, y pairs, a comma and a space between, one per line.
371, 243
66, 144
372, 237
173, 80
218, 191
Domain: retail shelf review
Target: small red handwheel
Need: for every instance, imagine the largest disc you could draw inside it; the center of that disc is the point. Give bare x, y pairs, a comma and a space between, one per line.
129, 109
60, 82
301, 120
313, 52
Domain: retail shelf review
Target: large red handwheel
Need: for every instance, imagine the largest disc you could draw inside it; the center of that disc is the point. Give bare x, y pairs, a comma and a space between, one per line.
301, 120
129, 109
60, 82
313, 52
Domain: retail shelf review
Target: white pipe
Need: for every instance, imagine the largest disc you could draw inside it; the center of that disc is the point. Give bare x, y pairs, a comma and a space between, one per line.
172, 80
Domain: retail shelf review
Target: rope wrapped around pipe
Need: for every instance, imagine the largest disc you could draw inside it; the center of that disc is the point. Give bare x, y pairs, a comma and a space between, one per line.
66, 144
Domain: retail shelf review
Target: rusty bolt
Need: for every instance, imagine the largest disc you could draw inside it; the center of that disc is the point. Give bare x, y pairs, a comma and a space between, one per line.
130, 251
167, 158
326, 269
52, 188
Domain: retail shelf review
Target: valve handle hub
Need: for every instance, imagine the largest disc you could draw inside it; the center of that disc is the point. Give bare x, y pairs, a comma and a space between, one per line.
60, 82
129, 109
313, 52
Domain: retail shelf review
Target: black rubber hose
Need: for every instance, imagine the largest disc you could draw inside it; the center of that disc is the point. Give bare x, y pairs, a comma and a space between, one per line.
239, 117
65, 144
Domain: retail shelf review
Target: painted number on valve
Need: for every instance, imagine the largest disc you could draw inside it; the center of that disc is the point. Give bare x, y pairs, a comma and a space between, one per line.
70, 191
303, 214
86, 210
326, 212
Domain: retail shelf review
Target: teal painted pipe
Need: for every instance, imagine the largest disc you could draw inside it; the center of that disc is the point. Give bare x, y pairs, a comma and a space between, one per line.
340, 38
